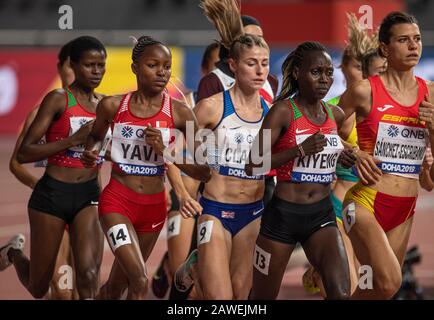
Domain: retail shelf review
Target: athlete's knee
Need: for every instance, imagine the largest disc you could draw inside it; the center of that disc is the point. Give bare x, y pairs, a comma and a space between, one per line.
87, 277
387, 285
217, 294
38, 290
138, 285
240, 289
339, 293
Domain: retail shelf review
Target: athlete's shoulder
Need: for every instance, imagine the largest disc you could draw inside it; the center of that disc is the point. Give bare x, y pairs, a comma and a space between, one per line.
358, 93
361, 88
212, 102
180, 106
280, 109
110, 103
338, 113
55, 99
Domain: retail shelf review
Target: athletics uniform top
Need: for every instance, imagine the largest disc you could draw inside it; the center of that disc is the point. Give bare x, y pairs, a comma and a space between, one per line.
316, 168
130, 153
69, 122
235, 137
393, 133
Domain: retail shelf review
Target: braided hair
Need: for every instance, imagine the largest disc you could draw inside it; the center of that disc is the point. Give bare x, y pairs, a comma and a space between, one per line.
295, 59
142, 43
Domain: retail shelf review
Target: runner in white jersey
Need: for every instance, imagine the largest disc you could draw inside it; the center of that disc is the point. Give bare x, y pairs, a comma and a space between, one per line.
232, 200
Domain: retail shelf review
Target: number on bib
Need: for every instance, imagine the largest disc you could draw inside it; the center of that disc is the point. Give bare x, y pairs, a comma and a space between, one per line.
204, 232
261, 260
118, 236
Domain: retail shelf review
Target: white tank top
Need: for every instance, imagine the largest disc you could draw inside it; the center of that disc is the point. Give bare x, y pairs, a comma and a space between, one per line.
235, 137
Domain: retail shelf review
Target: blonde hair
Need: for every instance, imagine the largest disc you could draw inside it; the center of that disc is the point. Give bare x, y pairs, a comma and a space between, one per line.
226, 17
360, 42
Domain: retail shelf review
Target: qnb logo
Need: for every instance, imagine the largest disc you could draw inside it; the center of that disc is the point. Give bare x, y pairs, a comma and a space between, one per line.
127, 132
393, 131
140, 133
239, 138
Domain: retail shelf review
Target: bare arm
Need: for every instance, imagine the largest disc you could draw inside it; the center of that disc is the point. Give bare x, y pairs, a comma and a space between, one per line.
186, 122
17, 169
357, 100
31, 150
425, 180
187, 205
426, 113
347, 158
105, 112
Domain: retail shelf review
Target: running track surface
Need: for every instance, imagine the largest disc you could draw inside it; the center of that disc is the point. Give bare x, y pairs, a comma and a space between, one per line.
13, 219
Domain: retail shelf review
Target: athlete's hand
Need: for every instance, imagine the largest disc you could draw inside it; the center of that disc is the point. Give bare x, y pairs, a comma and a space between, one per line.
347, 158
367, 168
154, 138
89, 158
426, 113
314, 144
428, 159
188, 207
80, 136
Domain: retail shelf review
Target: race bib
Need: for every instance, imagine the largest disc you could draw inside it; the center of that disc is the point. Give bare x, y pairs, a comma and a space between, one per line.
319, 167
400, 149
75, 152
75, 123
131, 152
235, 152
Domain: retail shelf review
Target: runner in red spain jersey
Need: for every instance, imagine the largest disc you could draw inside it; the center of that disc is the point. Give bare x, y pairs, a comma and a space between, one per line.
378, 211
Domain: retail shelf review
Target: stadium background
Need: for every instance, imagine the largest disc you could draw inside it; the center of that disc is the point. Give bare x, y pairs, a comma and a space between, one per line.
30, 39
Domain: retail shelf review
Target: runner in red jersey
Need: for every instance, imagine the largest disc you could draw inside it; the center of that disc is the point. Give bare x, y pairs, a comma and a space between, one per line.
378, 211
305, 150
133, 206
62, 285
68, 193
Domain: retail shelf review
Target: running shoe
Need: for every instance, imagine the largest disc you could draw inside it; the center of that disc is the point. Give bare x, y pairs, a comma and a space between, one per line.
16, 242
160, 283
308, 281
183, 278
